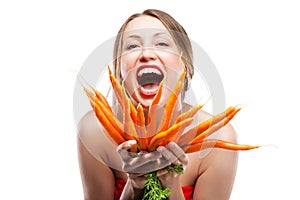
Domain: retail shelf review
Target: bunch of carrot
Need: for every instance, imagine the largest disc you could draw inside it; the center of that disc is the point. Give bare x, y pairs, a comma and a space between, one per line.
133, 126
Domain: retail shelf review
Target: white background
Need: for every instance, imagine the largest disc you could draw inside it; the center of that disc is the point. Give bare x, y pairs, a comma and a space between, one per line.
255, 46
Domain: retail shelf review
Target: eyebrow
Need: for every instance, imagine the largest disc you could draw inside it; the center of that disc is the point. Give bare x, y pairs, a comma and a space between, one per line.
133, 36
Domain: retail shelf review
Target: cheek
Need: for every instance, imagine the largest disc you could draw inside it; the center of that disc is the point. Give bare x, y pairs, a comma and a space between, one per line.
127, 63
174, 64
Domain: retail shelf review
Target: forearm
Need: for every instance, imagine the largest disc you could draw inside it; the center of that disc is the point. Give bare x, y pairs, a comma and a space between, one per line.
130, 192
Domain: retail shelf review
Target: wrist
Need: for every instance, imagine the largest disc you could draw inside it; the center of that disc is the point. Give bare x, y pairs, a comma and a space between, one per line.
131, 191
137, 182
135, 185
136, 189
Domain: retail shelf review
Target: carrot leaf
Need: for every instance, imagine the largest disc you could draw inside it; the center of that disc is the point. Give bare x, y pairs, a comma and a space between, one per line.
153, 189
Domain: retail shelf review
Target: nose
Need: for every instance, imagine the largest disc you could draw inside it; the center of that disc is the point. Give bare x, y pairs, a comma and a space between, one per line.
147, 54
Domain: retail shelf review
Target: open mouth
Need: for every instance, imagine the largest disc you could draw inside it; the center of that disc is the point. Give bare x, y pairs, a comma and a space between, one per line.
149, 79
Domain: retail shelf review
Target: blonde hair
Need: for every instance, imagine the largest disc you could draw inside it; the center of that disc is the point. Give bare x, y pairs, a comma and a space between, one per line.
178, 34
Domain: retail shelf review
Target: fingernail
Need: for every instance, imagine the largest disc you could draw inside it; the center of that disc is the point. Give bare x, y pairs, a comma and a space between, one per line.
177, 162
186, 159
160, 148
171, 144
131, 142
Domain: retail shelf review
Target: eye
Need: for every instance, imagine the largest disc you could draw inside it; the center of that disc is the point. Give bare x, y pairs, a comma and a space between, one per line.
132, 46
163, 44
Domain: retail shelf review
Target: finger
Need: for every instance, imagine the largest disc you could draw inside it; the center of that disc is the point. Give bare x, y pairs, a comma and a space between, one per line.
145, 158
143, 152
153, 166
178, 152
167, 154
126, 145
135, 175
162, 172
122, 149
140, 161
138, 180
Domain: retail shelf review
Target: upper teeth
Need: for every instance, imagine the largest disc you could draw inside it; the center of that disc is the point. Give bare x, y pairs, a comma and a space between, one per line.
149, 70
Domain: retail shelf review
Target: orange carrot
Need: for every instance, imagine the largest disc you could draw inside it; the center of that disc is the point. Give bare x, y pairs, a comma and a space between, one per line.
142, 132
197, 130
116, 137
118, 91
102, 99
98, 94
164, 137
211, 143
189, 113
107, 112
215, 127
116, 87
169, 108
192, 141
152, 112
129, 127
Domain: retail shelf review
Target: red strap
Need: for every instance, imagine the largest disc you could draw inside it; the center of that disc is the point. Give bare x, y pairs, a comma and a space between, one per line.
120, 184
188, 192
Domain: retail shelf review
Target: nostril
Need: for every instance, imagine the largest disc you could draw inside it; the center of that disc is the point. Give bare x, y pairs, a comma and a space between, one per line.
147, 54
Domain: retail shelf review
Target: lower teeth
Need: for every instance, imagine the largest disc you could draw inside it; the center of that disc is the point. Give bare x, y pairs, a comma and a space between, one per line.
149, 91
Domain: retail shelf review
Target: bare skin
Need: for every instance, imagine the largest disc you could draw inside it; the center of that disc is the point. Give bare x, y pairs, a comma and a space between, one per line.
100, 165
102, 162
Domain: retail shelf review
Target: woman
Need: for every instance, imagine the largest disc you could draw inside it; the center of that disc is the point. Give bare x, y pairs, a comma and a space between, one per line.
152, 46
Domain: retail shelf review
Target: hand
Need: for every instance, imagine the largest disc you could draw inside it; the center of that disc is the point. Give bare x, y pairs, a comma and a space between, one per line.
140, 163
136, 165
175, 155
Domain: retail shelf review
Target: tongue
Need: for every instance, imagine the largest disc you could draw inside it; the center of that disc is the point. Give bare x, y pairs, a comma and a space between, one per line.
151, 86
149, 89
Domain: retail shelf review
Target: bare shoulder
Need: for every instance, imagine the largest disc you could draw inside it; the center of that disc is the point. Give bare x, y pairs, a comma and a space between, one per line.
89, 128
214, 158
87, 122
217, 169
213, 155
92, 136
97, 176
221, 158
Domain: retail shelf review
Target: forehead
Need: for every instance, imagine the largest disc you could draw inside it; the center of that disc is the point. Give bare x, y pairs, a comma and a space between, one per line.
144, 22
145, 26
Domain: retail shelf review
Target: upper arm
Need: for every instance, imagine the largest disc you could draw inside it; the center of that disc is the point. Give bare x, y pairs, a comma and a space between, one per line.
97, 178
218, 171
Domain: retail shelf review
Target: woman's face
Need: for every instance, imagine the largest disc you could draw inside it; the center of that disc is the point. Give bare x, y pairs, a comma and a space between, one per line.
149, 55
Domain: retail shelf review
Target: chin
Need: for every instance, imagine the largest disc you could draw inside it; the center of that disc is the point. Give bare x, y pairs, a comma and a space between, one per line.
138, 98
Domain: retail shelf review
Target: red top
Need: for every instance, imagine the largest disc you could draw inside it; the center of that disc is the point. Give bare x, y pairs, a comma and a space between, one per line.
120, 184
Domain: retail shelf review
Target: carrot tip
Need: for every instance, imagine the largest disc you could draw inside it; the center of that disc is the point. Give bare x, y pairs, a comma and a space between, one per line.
109, 70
